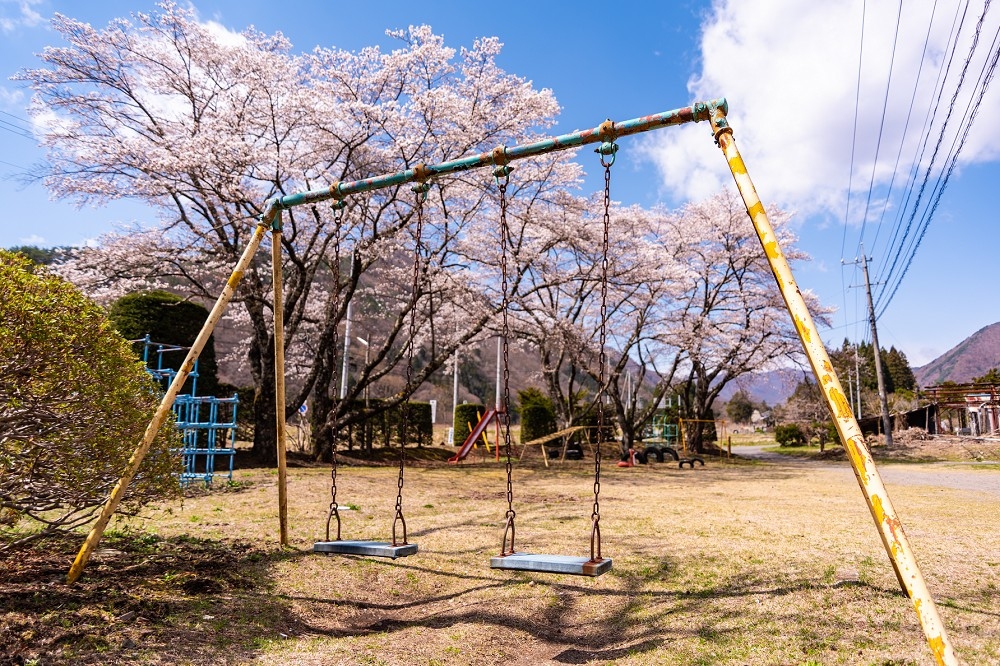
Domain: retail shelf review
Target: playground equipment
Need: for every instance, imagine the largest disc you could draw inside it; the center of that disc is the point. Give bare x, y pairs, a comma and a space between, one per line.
479, 430
509, 558
884, 515
565, 434
661, 430
207, 423
399, 546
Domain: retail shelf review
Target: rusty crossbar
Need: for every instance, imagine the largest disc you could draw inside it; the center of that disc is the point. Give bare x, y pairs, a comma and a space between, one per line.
886, 519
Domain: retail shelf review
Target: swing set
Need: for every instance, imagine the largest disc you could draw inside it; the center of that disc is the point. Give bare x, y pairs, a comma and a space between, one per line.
883, 513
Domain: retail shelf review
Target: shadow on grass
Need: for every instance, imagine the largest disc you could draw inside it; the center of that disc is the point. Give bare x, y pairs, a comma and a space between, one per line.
181, 599
196, 601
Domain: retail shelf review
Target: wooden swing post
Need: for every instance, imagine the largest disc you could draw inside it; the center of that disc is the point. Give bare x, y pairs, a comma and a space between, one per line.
97, 531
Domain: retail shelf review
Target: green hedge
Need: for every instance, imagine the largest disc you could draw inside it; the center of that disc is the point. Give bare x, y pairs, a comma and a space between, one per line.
789, 435
168, 319
538, 415
244, 410
385, 428
466, 415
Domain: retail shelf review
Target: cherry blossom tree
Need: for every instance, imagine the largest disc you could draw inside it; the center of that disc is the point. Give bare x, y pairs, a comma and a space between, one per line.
562, 315
692, 305
731, 319
206, 125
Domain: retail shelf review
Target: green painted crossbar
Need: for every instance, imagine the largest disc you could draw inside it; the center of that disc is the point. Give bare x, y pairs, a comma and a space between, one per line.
371, 548
565, 564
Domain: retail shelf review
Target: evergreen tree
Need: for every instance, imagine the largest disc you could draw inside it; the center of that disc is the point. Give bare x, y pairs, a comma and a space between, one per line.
740, 408
168, 319
898, 369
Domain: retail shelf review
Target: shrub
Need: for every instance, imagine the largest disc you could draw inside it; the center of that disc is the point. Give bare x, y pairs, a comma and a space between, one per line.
538, 415
74, 403
789, 435
244, 409
466, 415
386, 426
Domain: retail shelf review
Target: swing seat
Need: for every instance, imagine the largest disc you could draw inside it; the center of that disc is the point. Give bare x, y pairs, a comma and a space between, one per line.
370, 548
564, 564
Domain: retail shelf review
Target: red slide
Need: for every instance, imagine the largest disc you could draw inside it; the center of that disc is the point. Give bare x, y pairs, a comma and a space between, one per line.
476, 433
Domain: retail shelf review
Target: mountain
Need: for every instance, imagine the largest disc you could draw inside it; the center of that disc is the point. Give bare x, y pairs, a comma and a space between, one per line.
970, 358
772, 386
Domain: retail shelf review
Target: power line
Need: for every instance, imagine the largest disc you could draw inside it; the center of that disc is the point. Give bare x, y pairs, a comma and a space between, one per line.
854, 143
881, 128
937, 92
902, 138
14, 129
944, 126
988, 74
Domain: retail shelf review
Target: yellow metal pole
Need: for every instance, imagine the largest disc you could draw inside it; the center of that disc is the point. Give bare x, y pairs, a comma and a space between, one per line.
890, 528
165, 404
279, 378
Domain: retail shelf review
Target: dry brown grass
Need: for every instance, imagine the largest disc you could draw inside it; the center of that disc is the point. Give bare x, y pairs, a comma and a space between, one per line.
727, 564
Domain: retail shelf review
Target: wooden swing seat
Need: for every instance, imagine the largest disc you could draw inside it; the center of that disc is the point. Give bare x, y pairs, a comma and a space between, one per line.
564, 564
370, 548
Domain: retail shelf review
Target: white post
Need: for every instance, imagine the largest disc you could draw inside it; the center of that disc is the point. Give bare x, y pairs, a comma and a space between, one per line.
347, 350
454, 388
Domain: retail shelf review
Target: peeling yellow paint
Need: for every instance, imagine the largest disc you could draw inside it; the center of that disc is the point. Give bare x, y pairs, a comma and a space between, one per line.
840, 403
937, 647
826, 366
804, 331
756, 209
234, 279
737, 166
771, 249
877, 508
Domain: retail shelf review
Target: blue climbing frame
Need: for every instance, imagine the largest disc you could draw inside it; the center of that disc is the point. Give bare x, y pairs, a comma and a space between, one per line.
207, 423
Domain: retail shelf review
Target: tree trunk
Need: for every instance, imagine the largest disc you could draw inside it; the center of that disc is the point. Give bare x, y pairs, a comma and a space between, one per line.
265, 431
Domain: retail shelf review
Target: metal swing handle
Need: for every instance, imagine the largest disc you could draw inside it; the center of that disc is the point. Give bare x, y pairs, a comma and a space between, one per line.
334, 513
595, 541
508, 529
402, 521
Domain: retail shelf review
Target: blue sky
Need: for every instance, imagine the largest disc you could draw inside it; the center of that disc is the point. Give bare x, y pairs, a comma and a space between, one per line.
790, 70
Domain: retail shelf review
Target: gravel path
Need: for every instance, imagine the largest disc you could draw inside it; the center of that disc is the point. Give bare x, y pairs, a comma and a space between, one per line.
958, 476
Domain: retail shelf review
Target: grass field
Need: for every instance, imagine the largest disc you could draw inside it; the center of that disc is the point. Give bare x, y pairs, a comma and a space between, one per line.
733, 563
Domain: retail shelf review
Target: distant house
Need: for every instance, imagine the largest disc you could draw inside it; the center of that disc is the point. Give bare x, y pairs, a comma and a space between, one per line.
761, 420
966, 409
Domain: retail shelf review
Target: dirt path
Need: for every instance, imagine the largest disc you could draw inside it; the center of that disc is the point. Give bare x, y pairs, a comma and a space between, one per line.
958, 476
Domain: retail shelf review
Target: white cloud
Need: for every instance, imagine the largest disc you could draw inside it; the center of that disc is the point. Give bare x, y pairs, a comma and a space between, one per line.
26, 16
790, 73
33, 239
224, 35
11, 99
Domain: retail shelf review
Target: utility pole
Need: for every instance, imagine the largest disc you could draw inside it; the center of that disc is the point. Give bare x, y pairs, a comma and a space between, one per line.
857, 377
886, 421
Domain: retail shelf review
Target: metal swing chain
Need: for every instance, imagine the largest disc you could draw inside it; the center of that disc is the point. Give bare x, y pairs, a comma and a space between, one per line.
607, 148
502, 173
334, 512
421, 190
